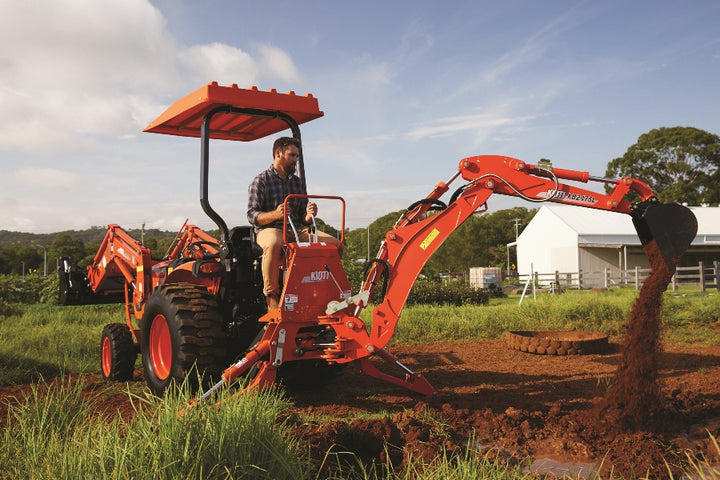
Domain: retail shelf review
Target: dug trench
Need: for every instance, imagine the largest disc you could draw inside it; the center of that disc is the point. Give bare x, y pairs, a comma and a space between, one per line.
638, 409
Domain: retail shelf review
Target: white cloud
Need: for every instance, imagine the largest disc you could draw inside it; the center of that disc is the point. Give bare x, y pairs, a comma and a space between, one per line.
71, 70
277, 63
43, 178
219, 62
482, 123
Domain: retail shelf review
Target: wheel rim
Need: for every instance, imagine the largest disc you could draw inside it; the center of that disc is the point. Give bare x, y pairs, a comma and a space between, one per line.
106, 357
160, 347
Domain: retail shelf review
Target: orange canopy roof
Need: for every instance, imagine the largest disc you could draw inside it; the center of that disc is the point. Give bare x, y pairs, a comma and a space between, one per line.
185, 116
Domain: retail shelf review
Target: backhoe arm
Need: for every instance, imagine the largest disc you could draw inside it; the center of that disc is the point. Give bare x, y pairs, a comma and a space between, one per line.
416, 236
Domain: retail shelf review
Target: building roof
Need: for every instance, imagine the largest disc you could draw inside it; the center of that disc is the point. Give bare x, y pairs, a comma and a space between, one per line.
604, 227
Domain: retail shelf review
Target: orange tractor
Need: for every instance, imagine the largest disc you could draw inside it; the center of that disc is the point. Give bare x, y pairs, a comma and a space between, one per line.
202, 305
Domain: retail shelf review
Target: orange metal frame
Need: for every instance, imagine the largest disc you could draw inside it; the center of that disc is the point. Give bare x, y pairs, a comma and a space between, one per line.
185, 116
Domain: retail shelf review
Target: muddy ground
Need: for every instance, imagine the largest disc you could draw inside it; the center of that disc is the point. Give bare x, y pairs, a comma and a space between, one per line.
522, 407
511, 405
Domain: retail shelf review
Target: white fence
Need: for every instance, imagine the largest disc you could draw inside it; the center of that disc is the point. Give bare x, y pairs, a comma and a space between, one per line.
704, 275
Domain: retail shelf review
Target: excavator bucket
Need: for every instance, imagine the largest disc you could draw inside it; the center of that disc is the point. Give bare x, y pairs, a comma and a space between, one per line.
671, 226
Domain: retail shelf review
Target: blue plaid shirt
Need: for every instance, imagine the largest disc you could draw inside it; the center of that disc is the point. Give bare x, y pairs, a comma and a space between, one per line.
268, 190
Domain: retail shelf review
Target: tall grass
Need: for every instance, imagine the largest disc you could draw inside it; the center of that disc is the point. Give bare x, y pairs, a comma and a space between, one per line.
54, 433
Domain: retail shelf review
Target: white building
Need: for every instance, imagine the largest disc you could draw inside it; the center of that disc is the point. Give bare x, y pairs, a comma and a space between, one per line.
566, 239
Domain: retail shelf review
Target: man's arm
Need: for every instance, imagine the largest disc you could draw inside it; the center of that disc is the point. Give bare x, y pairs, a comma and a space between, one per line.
255, 198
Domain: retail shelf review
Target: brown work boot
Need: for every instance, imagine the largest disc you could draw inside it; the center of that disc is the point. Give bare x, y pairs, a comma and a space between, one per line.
272, 301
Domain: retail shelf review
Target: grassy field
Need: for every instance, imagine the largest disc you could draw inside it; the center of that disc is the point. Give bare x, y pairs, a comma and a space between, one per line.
54, 433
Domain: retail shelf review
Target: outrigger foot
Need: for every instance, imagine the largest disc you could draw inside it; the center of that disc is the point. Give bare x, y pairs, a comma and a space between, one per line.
413, 381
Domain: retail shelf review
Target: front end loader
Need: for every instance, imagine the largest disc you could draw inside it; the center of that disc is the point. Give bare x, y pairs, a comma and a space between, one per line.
202, 305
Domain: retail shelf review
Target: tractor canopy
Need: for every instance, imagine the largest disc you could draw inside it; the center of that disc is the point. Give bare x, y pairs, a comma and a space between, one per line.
185, 116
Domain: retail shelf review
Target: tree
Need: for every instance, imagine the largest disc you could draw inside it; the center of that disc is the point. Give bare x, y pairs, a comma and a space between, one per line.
66, 246
679, 163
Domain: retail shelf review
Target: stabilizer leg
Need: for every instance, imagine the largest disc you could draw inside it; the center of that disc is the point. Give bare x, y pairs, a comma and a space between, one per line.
413, 381
252, 358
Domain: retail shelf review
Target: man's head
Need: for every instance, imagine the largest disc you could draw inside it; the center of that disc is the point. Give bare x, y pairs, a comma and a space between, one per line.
286, 152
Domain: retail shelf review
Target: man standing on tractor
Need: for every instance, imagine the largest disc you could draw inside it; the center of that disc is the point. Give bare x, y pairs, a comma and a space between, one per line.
266, 195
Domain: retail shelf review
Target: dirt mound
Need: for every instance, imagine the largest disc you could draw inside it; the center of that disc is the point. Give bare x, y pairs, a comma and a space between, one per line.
519, 408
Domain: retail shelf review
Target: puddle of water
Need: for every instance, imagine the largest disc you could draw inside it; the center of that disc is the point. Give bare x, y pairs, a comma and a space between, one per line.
555, 468
558, 469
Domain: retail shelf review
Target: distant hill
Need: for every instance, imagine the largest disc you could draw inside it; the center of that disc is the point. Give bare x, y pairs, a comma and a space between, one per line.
93, 235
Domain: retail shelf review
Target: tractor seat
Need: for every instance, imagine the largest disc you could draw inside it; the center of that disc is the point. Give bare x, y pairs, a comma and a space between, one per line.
243, 240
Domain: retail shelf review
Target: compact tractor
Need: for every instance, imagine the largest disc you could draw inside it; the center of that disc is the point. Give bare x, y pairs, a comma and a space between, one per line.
202, 305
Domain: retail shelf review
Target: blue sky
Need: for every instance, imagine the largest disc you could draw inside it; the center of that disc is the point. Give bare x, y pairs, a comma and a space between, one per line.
408, 89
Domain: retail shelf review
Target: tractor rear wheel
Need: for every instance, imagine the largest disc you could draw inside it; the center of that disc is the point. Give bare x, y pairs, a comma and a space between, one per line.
181, 328
118, 352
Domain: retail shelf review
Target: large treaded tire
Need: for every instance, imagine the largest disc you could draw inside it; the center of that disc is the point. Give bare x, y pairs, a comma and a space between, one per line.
118, 353
557, 342
181, 329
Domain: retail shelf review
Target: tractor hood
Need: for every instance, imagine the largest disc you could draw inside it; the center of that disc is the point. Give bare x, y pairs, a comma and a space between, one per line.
185, 116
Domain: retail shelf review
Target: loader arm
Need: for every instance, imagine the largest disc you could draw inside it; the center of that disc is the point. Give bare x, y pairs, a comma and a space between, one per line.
123, 262
120, 255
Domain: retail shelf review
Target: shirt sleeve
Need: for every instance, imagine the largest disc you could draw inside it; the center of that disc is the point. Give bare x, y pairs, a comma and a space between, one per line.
255, 200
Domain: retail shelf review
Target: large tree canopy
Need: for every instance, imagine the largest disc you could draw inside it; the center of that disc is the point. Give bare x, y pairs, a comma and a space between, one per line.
679, 163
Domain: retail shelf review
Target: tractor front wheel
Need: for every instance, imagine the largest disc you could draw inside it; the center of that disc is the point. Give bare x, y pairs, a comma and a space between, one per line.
118, 352
181, 329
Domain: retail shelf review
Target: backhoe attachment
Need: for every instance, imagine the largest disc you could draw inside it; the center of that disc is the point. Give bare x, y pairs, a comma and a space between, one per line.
670, 225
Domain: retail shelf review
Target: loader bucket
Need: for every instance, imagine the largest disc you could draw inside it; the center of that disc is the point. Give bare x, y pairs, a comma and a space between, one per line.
670, 225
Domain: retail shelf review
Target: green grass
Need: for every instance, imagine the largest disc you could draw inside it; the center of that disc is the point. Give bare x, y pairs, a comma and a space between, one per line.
55, 434
44, 340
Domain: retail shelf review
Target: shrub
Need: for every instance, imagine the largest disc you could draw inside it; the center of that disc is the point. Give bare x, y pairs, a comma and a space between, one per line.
31, 288
450, 293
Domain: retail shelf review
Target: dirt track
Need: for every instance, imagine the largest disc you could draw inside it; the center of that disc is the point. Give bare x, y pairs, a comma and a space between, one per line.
517, 405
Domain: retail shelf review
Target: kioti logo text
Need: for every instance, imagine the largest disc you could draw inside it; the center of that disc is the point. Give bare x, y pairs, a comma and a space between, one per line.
319, 276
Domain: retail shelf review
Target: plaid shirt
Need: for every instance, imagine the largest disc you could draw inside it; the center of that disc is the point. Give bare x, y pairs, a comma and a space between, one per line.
268, 190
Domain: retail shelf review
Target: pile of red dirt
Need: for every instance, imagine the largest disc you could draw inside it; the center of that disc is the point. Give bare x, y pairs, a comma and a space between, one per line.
519, 408
634, 402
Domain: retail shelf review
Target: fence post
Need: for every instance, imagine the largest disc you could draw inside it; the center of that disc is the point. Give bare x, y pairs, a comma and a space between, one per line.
580, 279
607, 277
675, 281
637, 277
701, 269
716, 264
